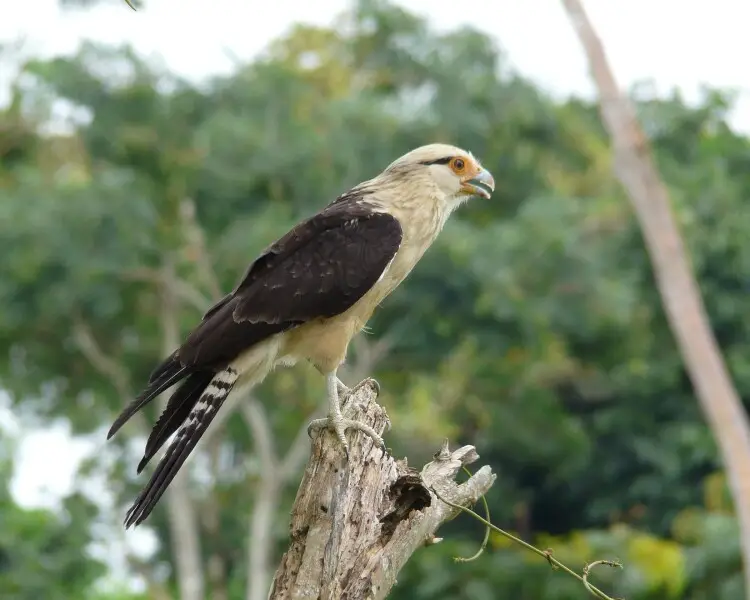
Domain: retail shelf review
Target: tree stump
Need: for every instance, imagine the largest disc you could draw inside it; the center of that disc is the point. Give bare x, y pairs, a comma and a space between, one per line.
356, 523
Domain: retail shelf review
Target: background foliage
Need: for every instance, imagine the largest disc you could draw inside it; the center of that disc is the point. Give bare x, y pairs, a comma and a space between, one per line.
532, 329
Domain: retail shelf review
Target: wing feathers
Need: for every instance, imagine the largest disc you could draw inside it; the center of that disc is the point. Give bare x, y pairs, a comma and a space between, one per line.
319, 269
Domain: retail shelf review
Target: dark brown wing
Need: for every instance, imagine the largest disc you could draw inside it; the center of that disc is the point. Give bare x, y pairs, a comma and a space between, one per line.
319, 269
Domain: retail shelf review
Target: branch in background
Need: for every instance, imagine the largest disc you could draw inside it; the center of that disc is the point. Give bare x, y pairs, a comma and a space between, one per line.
179, 287
260, 428
196, 241
107, 366
392, 505
685, 311
275, 474
216, 565
260, 534
183, 522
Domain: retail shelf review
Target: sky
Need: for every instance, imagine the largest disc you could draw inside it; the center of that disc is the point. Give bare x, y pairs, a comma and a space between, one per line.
670, 43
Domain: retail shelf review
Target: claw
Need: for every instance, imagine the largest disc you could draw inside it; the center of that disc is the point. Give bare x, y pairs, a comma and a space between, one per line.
339, 427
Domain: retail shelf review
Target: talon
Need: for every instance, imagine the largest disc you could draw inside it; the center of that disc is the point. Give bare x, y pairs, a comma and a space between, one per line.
316, 425
339, 427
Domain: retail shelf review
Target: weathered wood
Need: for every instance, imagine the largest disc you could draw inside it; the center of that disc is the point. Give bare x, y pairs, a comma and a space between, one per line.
356, 523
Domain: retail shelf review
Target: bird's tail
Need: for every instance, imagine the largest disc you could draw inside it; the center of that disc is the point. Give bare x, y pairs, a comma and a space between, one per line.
191, 408
164, 376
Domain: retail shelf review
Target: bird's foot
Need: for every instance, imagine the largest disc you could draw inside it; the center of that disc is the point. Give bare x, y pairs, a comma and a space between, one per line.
339, 425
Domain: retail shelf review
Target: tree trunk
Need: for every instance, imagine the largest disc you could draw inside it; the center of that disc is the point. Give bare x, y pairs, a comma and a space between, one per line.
684, 307
355, 523
183, 521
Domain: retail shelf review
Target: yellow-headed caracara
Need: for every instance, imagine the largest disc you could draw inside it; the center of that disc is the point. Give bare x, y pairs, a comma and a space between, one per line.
305, 297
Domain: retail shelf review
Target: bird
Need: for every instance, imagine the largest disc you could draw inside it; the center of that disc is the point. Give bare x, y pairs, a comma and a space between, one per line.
304, 298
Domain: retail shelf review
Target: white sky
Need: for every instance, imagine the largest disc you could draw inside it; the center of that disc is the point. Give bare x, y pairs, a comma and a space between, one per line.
682, 43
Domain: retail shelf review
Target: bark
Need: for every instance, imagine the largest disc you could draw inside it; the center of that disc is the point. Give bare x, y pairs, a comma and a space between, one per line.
356, 522
683, 304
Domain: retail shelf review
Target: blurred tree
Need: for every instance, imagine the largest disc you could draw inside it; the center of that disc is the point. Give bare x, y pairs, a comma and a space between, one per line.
44, 554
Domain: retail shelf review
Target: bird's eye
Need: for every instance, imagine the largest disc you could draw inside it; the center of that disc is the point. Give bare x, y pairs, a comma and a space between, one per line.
458, 165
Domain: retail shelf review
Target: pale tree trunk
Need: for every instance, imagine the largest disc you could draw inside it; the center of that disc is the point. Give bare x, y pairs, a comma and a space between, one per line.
356, 522
210, 511
684, 307
183, 522
275, 475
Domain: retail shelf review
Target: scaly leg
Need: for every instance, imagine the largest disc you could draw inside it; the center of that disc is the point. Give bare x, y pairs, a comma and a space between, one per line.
336, 421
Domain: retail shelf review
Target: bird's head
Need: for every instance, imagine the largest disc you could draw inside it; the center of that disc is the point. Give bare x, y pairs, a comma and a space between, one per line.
452, 172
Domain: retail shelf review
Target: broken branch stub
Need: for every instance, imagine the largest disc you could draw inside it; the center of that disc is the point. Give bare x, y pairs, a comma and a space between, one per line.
356, 523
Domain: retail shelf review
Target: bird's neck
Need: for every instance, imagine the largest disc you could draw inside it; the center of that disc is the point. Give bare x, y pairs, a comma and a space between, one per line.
421, 209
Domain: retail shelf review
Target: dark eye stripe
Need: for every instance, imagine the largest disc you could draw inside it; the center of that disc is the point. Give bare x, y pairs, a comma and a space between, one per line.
438, 161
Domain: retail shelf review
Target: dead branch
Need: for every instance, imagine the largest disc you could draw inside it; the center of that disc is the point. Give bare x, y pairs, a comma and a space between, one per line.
356, 523
686, 313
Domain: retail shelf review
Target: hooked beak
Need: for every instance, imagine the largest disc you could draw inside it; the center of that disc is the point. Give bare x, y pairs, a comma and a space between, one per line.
483, 184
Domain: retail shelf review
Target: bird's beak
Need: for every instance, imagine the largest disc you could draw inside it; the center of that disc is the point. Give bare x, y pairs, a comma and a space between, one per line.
482, 184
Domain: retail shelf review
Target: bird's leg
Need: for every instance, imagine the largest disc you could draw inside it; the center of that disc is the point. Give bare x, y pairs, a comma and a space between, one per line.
336, 421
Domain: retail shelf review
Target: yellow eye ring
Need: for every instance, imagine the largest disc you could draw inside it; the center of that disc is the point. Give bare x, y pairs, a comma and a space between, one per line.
458, 165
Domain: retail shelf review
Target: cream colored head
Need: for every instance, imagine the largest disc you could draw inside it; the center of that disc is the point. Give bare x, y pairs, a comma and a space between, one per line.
444, 172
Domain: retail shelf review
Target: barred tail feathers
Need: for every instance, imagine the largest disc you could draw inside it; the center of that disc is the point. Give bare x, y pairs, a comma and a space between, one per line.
182, 401
188, 435
190, 411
